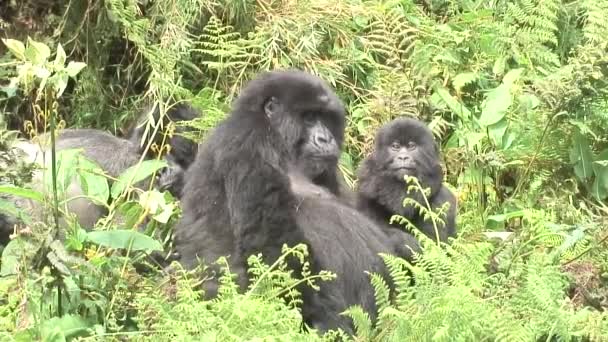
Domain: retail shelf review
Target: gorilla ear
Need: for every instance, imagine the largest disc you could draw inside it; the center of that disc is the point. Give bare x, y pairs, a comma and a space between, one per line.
271, 107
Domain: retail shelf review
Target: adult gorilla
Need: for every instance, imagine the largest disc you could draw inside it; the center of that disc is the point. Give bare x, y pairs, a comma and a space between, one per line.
114, 155
246, 195
404, 147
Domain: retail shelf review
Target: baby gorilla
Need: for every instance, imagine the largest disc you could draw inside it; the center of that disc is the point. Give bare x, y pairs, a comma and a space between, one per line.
405, 147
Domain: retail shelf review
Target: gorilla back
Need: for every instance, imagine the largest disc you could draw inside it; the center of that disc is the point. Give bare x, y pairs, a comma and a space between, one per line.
114, 155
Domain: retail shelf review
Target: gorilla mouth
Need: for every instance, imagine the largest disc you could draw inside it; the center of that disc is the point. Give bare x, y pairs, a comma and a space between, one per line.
324, 157
405, 168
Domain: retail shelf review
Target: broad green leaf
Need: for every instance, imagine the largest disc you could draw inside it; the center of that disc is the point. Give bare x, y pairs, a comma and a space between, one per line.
581, 157
507, 140
499, 66
65, 167
157, 206
473, 138
60, 57
16, 47
59, 82
64, 328
136, 173
22, 192
93, 182
463, 79
497, 132
512, 76
74, 68
527, 102
600, 170
15, 251
455, 106
37, 52
72, 166
124, 239
41, 72
495, 105
130, 211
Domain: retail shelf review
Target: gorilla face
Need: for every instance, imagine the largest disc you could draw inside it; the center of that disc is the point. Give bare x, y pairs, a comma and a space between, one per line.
171, 178
311, 121
406, 147
318, 150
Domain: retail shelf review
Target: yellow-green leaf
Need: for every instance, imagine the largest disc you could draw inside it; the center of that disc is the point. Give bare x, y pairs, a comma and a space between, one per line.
37, 52
15, 47
74, 68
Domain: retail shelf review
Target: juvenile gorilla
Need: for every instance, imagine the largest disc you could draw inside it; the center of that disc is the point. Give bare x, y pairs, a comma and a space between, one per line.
404, 147
246, 194
114, 155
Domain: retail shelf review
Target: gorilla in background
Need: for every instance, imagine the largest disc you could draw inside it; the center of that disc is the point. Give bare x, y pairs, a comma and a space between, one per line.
404, 147
182, 150
248, 194
114, 155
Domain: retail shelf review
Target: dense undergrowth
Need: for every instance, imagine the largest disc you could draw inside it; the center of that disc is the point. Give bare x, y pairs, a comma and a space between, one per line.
516, 91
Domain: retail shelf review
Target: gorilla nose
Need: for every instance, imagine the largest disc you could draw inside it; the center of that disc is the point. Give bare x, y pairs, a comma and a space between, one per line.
322, 139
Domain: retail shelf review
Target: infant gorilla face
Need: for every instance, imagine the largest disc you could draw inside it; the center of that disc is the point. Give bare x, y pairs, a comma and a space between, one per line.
402, 158
405, 146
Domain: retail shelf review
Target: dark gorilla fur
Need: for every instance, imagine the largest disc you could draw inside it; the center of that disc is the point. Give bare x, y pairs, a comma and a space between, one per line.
320, 165
247, 195
182, 150
404, 147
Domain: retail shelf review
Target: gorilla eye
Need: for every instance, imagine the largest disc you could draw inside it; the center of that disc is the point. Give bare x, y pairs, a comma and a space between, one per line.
395, 146
411, 145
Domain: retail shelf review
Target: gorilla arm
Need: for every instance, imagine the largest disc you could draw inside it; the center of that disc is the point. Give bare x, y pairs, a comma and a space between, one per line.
261, 210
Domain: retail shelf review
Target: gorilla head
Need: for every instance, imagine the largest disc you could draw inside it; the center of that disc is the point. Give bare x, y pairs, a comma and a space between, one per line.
313, 129
406, 147
403, 147
182, 150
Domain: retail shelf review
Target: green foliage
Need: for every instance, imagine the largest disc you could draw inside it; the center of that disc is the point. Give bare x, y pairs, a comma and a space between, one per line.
515, 91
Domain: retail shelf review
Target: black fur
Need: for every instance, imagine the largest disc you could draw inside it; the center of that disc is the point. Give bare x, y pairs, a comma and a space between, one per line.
246, 194
381, 190
182, 150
